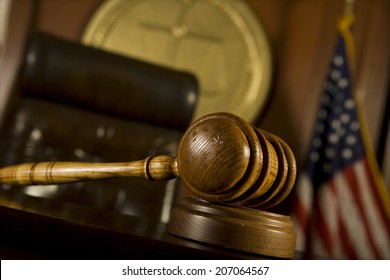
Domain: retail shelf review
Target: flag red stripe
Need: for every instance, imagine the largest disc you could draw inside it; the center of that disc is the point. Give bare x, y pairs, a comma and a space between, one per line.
346, 240
350, 176
377, 200
321, 226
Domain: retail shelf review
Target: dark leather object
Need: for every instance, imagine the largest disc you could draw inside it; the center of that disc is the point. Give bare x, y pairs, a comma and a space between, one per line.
70, 73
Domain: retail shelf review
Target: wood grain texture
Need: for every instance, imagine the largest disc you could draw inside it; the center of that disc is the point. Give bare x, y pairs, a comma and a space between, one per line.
207, 163
238, 228
152, 168
221, 158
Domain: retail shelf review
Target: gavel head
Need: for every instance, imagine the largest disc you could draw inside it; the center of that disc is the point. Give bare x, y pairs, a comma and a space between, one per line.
222, 158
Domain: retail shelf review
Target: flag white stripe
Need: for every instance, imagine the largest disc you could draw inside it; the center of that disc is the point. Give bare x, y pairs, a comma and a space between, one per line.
300, 244
328, 204
304, 194
351, 218
376, 227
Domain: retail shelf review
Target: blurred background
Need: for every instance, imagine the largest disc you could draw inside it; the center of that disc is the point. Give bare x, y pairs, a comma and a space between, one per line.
300, 36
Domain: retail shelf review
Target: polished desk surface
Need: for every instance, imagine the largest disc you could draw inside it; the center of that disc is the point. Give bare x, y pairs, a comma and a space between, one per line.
47, 232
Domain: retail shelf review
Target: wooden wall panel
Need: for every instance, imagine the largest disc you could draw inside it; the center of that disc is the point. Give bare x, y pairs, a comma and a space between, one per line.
300, 67
373, 60
65, 18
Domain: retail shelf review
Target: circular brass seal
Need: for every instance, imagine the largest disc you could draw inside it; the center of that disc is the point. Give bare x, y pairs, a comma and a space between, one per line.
220, 41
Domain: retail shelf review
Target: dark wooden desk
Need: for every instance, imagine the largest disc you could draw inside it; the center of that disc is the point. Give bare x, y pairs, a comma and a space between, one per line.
40, 229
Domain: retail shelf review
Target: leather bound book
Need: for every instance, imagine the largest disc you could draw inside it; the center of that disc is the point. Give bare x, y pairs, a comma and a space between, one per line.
71, 73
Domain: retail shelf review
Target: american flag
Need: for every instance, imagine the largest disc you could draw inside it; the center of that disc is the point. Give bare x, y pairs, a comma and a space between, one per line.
340, 211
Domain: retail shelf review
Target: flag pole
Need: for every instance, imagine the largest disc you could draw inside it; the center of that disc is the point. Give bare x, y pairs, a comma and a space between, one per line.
348, 7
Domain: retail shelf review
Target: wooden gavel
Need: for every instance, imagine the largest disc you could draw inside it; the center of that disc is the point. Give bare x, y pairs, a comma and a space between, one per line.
222, 159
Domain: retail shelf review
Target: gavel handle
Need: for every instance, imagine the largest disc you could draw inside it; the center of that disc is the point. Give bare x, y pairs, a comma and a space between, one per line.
47, 173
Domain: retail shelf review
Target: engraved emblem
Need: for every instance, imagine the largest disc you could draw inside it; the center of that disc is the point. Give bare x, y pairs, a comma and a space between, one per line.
220, 41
